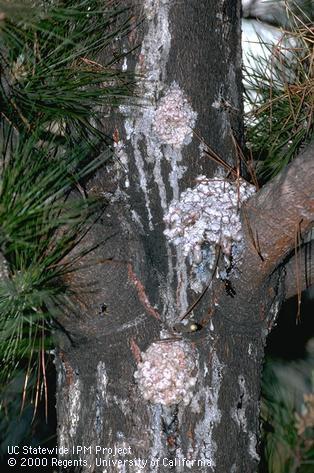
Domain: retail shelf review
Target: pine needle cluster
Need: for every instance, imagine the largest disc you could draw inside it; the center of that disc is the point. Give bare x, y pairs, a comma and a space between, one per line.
59, 64
280, 96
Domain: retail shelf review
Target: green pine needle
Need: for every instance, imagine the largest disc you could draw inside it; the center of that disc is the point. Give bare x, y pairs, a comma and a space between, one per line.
60, 69
280, 94
40, 225
51, 64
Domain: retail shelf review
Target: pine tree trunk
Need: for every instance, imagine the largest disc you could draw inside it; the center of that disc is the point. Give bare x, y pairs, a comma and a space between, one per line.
136, 283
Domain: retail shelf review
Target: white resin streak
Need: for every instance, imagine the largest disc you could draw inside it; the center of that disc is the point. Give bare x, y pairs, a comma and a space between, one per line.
73, 415
74, 407
205, 446
154, 54
156, 451
158, 130
100, 398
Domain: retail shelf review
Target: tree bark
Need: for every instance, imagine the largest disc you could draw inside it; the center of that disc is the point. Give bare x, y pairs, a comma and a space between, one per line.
135, 284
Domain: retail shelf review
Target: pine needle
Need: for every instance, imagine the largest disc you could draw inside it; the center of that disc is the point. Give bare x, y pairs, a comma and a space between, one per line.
60, 70
280, 95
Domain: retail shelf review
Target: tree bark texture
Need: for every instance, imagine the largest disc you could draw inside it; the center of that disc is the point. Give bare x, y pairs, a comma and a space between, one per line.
136, 284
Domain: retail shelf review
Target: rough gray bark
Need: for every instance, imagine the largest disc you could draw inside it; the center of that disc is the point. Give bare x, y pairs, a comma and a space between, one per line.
135, 283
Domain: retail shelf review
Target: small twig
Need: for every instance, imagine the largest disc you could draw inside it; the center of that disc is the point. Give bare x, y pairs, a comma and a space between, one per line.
194, 304
214, 156
242, 158
218, 160
255, 241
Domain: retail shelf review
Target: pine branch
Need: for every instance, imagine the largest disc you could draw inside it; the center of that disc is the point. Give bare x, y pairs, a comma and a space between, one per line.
53, 90
281, 210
